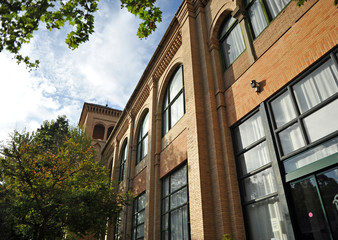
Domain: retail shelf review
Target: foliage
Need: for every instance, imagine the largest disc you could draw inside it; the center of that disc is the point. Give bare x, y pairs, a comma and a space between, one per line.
227, 237
19, 19
147, 12
53, 187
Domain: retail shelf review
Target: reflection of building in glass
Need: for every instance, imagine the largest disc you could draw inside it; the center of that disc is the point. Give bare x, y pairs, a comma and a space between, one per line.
204, 153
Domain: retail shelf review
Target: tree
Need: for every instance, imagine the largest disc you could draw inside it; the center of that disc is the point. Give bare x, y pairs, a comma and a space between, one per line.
19, 19
53, 187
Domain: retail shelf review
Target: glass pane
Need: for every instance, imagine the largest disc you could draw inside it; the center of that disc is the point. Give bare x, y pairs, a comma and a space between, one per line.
165, 187
145, 125
265, 220
165, 205
283, 109
317, 86
185, 223
141, 202
291, 139
233, 45
276, 6
139, 157
179, 198
177, 110
140, 217
165, 123
312, 155
145, 147
176, 84
165, 235
257, 18
140, 231
254, 158
309, 213
322, 122
165, 222
259, 185
176, 224
226, 26
328, 186
178, 179
249, 132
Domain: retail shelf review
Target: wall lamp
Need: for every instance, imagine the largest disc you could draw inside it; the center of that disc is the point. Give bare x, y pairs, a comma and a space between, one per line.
254, 84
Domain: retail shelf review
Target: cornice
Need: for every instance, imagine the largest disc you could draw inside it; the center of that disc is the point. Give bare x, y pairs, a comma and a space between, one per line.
140, 100
168, 55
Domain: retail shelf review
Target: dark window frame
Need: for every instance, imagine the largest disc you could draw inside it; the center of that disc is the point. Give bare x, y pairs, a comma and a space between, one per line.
224, 36
123, 160
172, 101
168, 176
267, 15
300, 116
135, 213
140, 138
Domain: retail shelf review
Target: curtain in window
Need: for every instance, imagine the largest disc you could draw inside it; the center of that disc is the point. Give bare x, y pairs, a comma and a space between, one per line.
276, 6
257, 18
249, 132
233, 45
317, 86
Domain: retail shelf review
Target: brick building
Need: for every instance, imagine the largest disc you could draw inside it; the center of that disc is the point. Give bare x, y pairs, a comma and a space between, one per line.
232, 127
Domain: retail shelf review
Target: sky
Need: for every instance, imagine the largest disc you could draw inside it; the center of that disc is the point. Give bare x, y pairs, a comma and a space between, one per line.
104, 70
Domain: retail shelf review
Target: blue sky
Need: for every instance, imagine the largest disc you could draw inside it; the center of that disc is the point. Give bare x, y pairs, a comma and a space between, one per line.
104, 70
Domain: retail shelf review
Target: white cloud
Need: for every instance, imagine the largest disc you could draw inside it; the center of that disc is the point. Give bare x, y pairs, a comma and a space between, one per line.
104, 70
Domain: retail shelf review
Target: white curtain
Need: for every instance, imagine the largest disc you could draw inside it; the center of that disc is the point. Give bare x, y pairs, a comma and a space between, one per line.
317, 86
283, 110
324, 150
276, 6
233, 45
257, 18
291, 139
254, 158
249, 131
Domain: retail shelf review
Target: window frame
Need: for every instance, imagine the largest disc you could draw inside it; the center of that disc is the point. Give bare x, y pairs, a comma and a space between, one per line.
140, 138
170, 193
224, 36
170, 102
300, 116
267, 15
274, 148
135, 213
123, 160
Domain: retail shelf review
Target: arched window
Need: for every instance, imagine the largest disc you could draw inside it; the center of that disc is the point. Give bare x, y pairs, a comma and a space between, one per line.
142, 139
123, 161
173, 102
231, 40
98, 132
110, 129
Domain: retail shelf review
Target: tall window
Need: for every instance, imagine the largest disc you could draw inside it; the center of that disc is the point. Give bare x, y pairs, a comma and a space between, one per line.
142, 139
123, 161
259, 189
117, 232
173, 102
138, 217
294, 133
304, 114
231, 39
175, 209
261, 12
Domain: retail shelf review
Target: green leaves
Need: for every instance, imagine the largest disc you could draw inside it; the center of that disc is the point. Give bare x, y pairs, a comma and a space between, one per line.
52, 185
147, 12
19, 19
